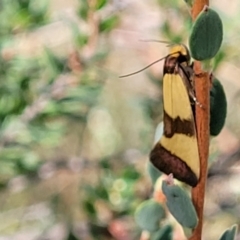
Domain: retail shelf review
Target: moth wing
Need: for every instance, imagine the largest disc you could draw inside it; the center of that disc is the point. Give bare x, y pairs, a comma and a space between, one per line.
177, 151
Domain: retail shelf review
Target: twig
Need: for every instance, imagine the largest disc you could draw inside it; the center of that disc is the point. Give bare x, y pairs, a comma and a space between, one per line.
202, 85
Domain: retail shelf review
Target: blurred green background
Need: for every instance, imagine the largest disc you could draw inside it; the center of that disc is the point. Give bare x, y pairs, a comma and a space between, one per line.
75, 139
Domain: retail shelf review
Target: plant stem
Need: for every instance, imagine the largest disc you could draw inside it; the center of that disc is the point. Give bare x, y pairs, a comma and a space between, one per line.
202, 86
198, 6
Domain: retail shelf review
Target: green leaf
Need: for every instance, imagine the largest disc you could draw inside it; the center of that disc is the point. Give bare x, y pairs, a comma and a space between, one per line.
83, 10
29, 164
131, 173
153, 172
206, 36
165, 233
55, 64
218, 107
149, 214
38, 11
100, 4
89, 207
23, 3
71, 236
180, 205
80, 38
229, 234
108, 24
189, 2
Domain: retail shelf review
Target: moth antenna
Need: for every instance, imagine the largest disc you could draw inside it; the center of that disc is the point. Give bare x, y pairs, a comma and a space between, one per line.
169, 44
133, 73
130, 74
154, 40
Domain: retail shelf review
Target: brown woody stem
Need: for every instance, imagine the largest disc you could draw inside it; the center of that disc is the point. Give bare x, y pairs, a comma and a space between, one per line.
202, 86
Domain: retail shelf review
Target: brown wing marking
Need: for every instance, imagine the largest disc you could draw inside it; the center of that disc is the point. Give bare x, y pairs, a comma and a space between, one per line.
168, 163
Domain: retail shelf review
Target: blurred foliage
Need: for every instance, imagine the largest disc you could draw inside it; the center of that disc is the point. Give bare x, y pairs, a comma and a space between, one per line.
67, 169
21, 15
44, 98
149, 214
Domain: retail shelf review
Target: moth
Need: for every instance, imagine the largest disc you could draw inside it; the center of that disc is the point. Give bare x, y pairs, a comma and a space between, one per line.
177, 150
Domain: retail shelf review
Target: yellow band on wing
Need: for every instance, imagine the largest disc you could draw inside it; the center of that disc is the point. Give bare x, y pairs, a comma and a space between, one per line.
175, 97
184, 147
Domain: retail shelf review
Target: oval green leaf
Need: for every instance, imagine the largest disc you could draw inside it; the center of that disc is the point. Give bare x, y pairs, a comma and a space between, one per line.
180, 205
229, 234
218, 107
149, 214
206, 36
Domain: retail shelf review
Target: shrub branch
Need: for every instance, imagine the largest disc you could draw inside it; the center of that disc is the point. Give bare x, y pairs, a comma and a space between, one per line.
202, 85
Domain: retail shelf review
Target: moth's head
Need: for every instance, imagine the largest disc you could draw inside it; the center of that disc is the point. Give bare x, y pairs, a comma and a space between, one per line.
180, 52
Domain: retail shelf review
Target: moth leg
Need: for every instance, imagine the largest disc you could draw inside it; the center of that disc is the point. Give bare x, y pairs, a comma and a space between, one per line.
187, 75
